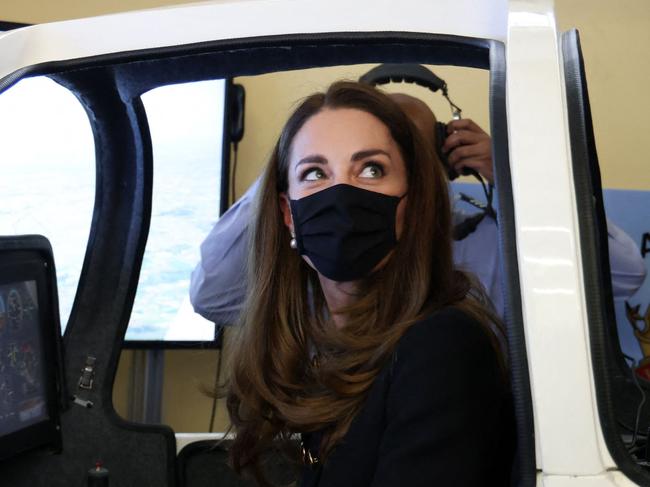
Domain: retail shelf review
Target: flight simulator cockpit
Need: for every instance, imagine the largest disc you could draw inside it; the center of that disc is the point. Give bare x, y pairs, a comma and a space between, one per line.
153, 183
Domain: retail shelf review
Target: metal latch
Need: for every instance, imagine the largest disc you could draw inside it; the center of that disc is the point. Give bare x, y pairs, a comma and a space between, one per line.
88, 373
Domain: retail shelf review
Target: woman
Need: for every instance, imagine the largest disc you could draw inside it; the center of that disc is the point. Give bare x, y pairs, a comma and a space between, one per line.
357, 331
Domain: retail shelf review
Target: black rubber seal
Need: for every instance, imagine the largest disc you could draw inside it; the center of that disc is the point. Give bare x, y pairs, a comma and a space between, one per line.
610, 370
525, 471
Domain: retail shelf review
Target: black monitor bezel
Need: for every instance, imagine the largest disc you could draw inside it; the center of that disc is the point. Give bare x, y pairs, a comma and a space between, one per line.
18, 266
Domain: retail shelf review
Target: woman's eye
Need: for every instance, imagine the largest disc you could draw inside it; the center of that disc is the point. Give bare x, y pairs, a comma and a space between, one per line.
372, 171
313, 174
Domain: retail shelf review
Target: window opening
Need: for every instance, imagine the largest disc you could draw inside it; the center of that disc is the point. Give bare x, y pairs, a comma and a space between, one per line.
187, 124
48, 175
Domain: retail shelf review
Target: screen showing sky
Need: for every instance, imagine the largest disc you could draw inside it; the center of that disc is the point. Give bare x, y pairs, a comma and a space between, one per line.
48, 188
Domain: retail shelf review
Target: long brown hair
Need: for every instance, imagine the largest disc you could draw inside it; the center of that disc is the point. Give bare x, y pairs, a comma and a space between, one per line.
275, 389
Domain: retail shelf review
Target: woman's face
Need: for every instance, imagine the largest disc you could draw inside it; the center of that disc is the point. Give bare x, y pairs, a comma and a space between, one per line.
345, 146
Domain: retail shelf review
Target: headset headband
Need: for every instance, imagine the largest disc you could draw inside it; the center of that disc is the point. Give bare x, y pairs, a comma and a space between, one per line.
410, 73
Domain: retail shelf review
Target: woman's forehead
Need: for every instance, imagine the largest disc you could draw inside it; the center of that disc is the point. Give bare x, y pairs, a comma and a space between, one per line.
339, 130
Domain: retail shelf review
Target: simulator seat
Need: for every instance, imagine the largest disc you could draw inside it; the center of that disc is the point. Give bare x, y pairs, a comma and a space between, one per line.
205, 464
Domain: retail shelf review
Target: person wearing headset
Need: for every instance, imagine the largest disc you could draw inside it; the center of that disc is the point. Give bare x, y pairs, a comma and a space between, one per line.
217, 286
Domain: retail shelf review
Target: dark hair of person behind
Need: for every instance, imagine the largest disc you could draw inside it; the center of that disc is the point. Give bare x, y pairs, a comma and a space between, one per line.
275, 388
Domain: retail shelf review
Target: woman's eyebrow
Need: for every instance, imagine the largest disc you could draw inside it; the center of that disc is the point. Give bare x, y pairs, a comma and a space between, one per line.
369, 153
317, 158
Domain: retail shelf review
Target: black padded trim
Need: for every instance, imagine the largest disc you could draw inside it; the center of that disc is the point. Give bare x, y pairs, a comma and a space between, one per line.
5, 26
109, 278
259, 55
525, 467
607, 362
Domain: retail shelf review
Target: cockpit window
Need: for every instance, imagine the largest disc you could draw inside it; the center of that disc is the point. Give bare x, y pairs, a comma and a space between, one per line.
187, 125
47, 174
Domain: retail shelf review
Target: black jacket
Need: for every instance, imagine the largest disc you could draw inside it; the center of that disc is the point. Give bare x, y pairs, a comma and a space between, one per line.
438, 414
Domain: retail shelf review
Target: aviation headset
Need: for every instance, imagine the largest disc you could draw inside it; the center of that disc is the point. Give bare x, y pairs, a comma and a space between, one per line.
421, 76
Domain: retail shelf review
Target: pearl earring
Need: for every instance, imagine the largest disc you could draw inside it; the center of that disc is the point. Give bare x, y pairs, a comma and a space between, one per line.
293, 243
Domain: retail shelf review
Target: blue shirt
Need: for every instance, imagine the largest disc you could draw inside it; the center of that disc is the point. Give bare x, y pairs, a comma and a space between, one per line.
218, 283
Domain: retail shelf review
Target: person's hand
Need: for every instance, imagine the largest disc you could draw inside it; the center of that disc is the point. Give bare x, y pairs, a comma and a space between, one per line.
467, 145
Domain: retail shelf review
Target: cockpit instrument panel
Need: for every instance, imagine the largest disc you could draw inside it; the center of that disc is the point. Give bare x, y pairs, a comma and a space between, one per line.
22, 400
30, 378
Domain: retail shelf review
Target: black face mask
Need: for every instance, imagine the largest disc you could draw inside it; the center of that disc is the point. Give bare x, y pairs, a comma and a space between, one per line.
345, 231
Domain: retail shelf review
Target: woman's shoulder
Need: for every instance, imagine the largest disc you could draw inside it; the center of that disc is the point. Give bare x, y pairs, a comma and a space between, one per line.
449, 323
448, 337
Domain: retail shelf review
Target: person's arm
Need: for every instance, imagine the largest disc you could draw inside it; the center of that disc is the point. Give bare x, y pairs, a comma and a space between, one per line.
218, 283
626, 264
468, 146
448, 412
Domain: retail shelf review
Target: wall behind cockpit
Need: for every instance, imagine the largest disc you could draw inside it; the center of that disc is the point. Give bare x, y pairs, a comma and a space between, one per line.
615, 36
265, 115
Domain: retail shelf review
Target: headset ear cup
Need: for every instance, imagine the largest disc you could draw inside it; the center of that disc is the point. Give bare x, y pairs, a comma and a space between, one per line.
441, 136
